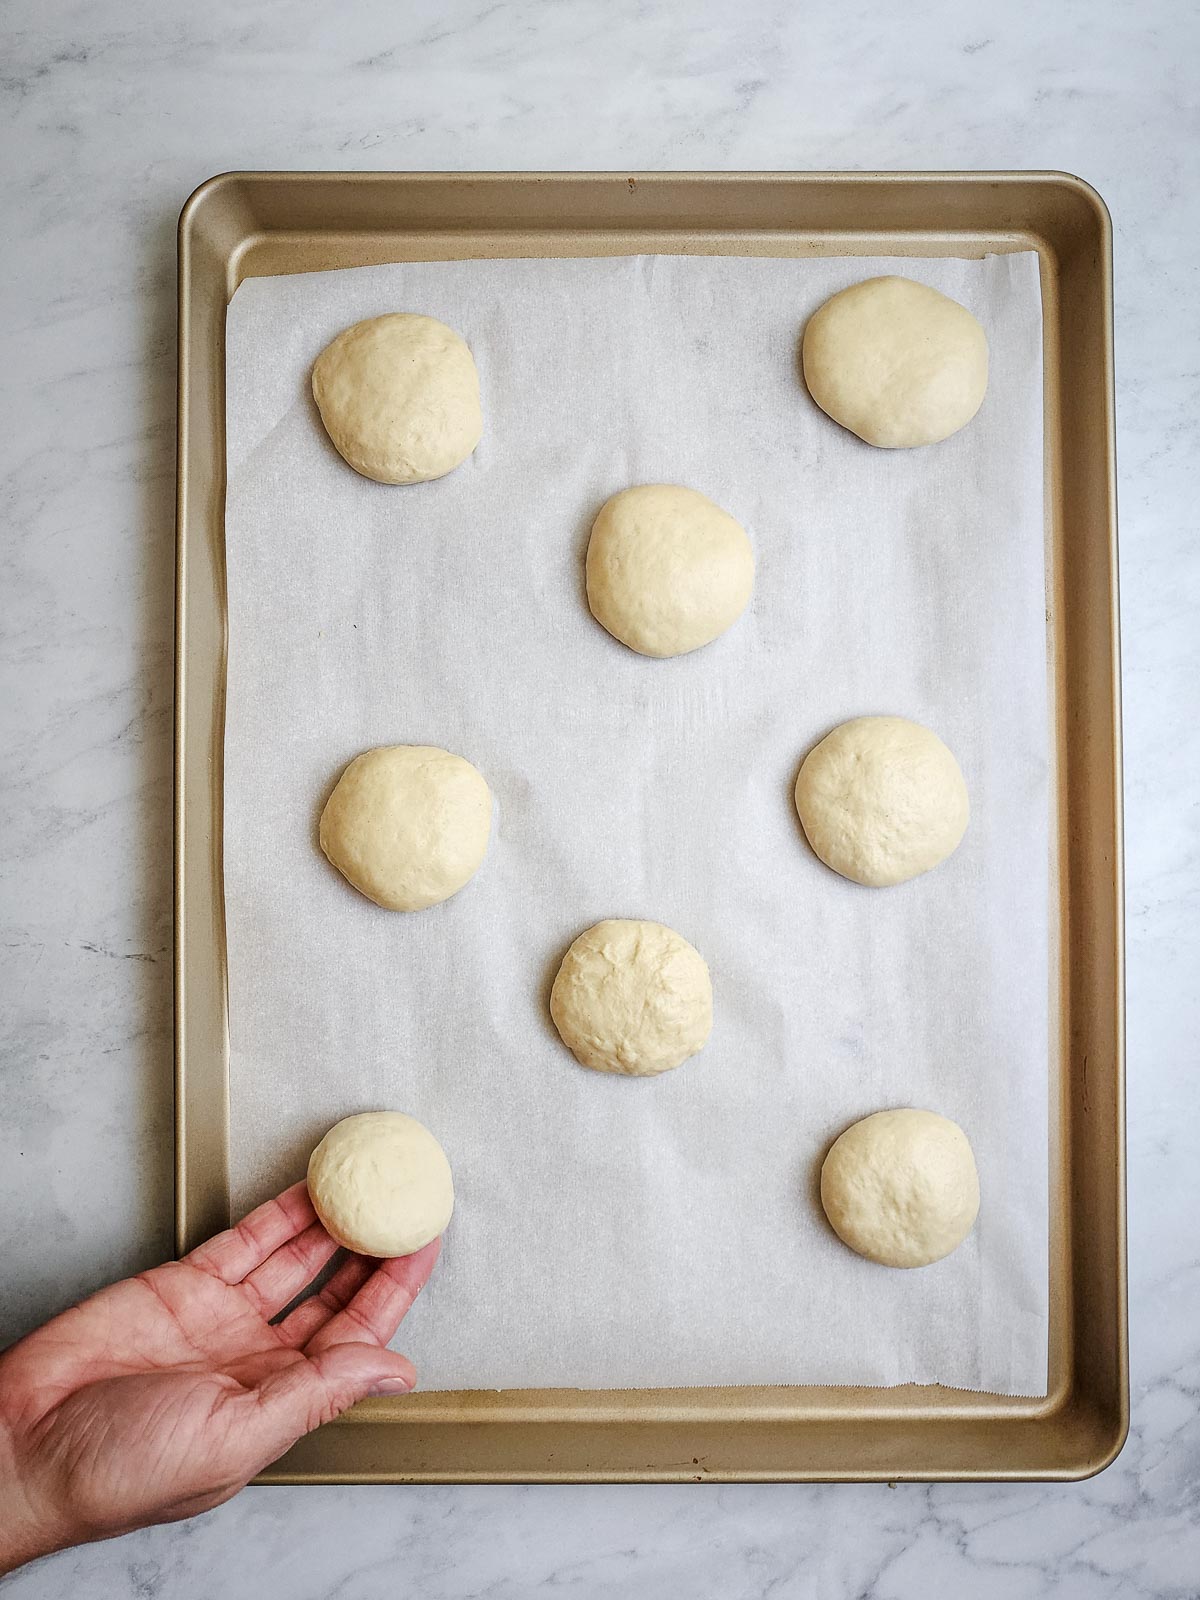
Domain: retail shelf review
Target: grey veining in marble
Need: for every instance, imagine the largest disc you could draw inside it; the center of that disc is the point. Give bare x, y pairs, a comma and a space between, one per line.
111, 111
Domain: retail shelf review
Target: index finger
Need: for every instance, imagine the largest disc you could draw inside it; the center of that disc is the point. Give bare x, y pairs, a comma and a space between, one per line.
380, 1306
231, 1255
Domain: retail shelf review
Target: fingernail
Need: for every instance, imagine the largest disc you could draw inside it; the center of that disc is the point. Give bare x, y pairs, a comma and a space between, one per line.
390, 1386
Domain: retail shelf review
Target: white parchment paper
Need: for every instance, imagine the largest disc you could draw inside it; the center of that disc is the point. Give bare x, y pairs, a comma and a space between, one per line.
615, 1232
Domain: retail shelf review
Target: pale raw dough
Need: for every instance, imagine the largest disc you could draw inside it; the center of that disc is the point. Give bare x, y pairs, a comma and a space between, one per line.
407, 824
896, 362
632, 997
900, 1187
399, 397
381, 1184
667, 570
881, 800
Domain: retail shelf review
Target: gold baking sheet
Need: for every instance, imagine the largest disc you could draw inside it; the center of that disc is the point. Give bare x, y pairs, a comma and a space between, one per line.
251, 224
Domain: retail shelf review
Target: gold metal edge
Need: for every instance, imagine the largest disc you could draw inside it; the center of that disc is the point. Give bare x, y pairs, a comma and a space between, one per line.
1116, 701
179, 723
194, 542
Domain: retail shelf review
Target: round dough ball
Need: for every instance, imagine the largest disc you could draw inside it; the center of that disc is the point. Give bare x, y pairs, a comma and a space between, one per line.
667, 570
882, 800
896, 362
407, 825
900, 1187
381, 1184
399, 397
632, 997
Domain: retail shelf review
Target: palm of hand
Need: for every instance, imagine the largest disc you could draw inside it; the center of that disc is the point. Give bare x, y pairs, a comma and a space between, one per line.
164, 1394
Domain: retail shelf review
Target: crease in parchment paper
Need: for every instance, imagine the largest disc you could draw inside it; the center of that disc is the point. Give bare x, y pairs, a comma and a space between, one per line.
612, 1232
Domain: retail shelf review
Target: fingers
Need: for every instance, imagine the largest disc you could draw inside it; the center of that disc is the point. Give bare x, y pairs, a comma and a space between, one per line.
377, 1310
230, 1256
294, 1265
298, 1327
315, 1389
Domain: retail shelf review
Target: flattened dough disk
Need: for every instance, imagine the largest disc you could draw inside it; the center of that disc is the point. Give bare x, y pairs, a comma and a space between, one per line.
667, 569
407, 825
896, 362
381, 1184
900, 1187
399, 397
633, 998
882, 800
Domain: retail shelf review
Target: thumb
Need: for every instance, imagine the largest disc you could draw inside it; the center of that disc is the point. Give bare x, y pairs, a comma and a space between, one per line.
300, 1397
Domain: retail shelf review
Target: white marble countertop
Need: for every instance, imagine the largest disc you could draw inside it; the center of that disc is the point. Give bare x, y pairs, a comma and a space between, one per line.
112, 111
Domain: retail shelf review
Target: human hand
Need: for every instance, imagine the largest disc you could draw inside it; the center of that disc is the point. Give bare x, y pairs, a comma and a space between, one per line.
162, 1395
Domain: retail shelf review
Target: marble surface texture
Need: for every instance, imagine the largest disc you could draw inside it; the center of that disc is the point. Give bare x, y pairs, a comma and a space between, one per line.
111, 111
